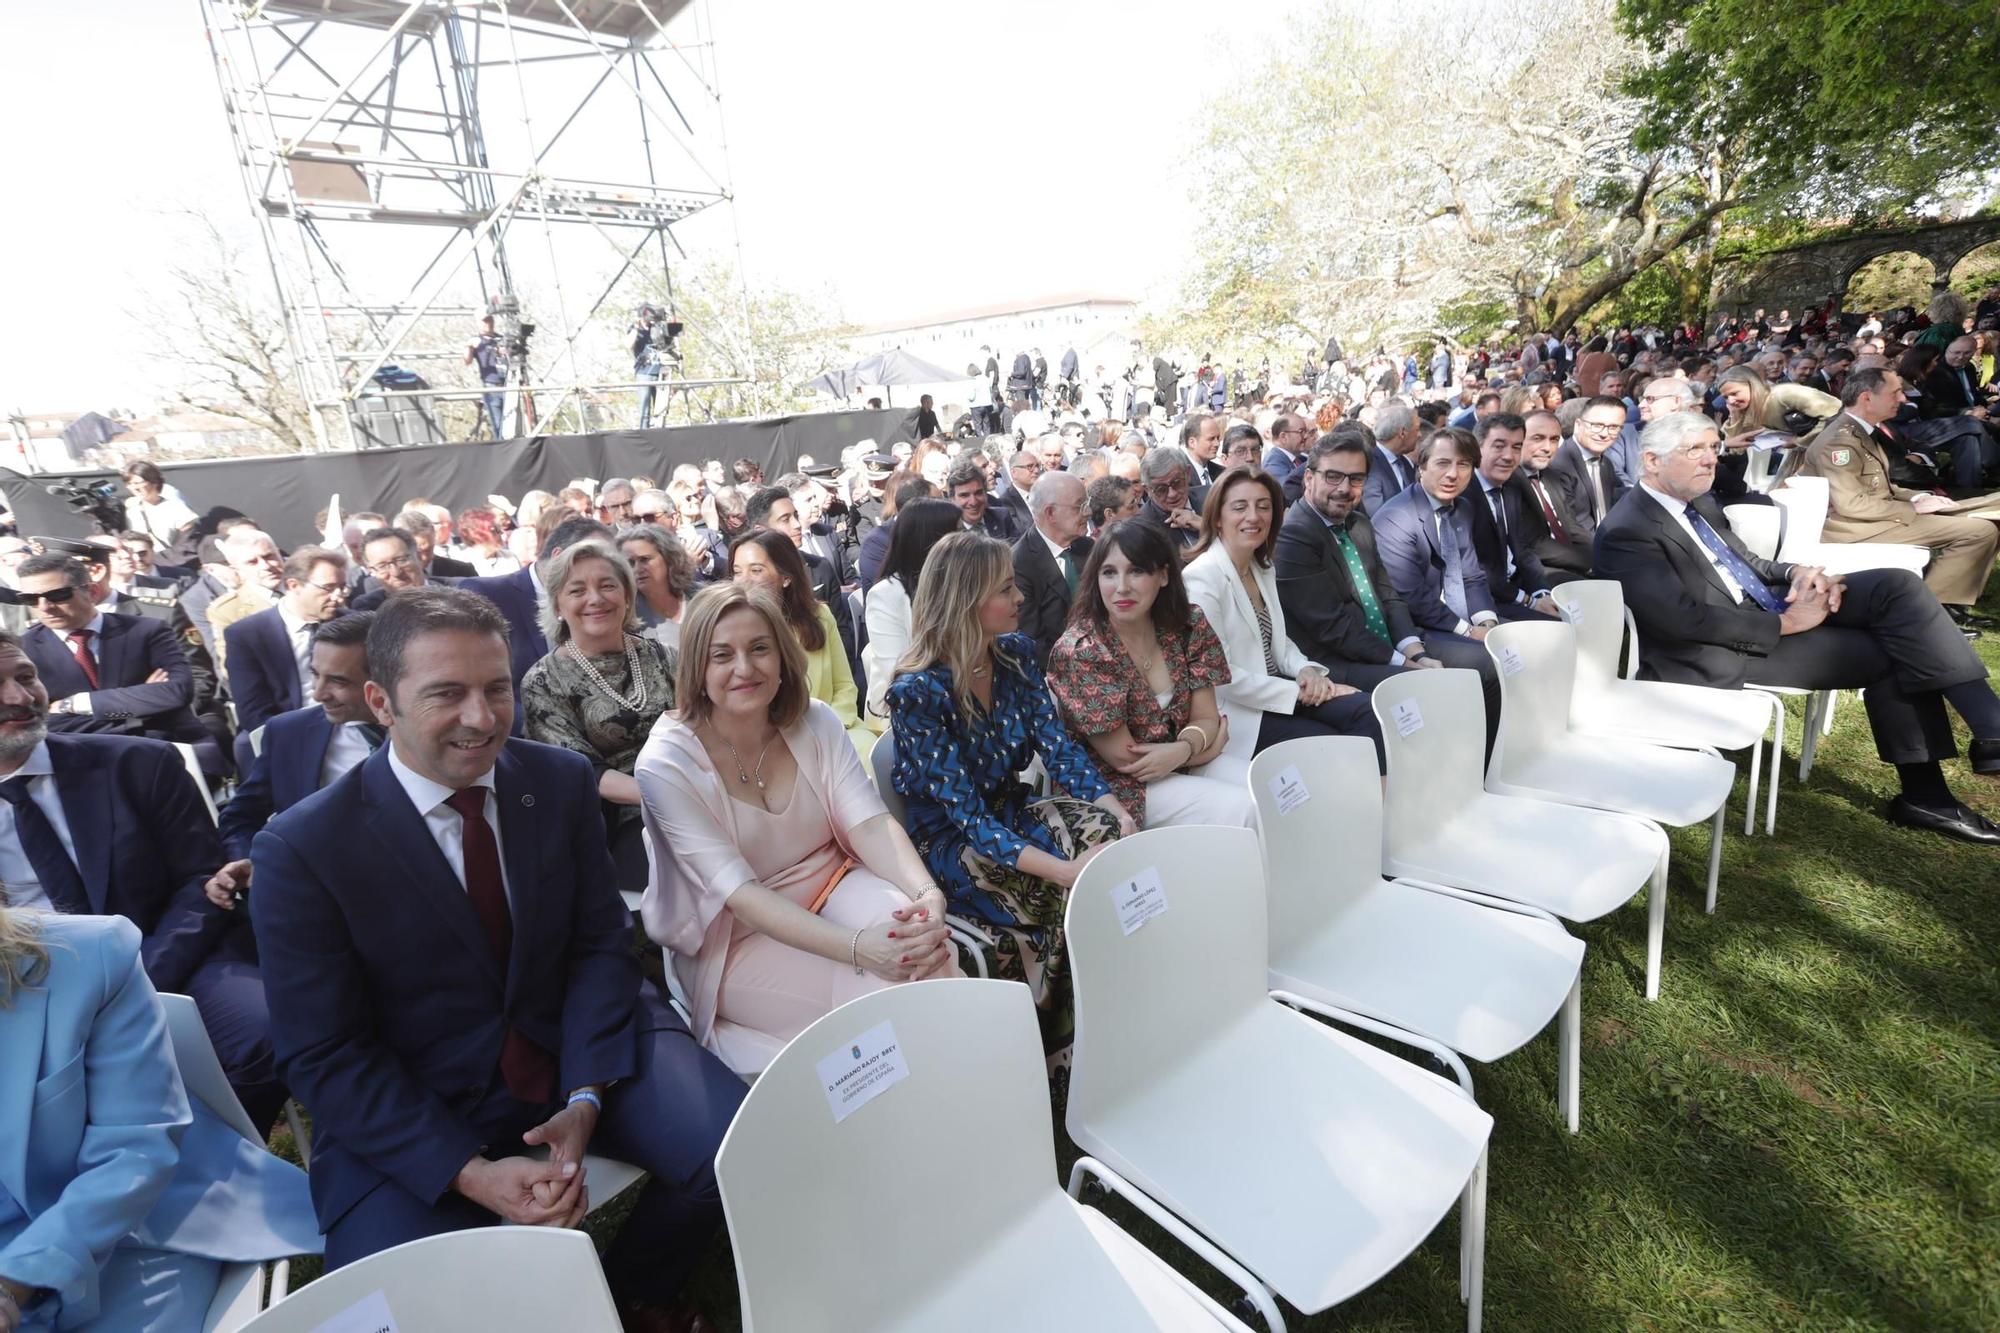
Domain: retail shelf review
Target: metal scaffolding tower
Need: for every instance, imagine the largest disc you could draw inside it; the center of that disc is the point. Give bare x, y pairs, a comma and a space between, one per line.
401, 194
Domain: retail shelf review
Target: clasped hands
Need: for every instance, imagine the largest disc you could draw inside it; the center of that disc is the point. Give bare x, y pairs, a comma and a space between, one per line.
533, 1193
1150, 763
912, 945
1813, 596
1316, 689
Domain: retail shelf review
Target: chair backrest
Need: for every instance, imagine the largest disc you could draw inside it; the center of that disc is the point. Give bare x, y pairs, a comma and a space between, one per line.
1147, 999
1436, 752
485, 1277
201, 1072
1805, 501
1760, 527
1537, 666
257, 743
192, 763
1322, 854
881, 766
814, 1205
1595, 609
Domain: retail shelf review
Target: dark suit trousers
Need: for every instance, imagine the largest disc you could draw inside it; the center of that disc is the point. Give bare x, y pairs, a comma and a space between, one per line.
229, 992
669, 1118
1892, 638
1349, 715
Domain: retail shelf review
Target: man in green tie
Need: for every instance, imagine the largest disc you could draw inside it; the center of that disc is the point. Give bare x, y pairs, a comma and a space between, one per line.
1049, 556
1340, 608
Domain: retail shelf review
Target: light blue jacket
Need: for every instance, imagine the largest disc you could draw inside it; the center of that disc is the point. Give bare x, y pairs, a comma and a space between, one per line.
98, 1146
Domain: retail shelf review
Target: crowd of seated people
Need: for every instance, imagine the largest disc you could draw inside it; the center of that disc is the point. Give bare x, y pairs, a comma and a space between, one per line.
455, 740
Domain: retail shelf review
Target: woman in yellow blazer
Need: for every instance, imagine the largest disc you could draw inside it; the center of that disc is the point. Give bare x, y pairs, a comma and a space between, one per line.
767, 558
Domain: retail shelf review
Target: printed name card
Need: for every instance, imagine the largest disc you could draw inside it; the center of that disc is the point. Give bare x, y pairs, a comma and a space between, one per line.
370, 1314
1510, 662
1288, 789
862, 1070
1139, 899
1409, 718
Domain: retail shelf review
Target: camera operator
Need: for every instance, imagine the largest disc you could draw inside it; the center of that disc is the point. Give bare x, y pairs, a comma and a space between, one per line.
489, 353
653, 334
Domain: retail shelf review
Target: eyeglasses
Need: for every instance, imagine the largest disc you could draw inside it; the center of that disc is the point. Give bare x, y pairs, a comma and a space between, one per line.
1340, 481
400, 562
54, 596
330, 589
1698, 452
1600, 427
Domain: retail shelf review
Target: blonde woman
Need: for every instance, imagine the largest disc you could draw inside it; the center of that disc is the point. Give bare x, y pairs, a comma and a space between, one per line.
781, 884
970, 710
111, 1214
1755, 407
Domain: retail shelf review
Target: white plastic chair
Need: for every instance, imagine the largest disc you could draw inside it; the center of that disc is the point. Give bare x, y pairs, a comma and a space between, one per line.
1477, 973
1759, 527
1315, 1160
972, 938
812, 1204
193, 765
1658, 711
1805, 500
1538, 755
500, 1277
241, 1292
1442, 825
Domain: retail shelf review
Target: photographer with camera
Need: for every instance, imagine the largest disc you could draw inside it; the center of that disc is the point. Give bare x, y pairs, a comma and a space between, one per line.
653, 337
489, 353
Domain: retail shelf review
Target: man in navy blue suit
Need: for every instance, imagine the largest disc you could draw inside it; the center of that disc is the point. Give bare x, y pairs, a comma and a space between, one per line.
114, 826
306, 749
519, 597
1424, 538
452, 979
1291, 436
270, 652
104, 671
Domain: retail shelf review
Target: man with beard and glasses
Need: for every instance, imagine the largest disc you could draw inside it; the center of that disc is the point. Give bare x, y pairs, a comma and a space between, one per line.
114, 826
458, 987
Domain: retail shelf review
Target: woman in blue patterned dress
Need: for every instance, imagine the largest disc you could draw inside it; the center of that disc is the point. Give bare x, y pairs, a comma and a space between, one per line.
970, 710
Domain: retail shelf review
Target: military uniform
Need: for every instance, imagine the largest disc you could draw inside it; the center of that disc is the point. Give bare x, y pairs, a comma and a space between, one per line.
1863, 505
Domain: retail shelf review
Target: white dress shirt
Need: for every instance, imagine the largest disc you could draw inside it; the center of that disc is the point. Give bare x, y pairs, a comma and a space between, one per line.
17, 873
301, 638
445, 824
1677, 509
347, 747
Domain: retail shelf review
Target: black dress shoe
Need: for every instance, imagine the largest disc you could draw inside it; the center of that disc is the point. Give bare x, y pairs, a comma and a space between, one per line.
1958, 822
1985, 755
1966, 618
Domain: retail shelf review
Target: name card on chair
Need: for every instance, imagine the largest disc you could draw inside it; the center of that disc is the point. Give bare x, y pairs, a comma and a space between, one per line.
370, 1314
1288, 790
1510, 662
1409, 718
862, 1070
1139, 899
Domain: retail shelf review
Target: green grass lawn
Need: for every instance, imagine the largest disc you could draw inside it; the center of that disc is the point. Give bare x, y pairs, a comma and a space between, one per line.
1804, 1130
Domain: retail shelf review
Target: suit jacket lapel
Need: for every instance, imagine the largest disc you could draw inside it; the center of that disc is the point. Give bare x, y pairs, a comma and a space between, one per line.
305, 762
86, 803
521, 853
406, 843
111, 647
1680, 537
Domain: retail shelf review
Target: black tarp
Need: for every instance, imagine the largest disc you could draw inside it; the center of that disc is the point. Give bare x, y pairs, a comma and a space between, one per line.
284, 493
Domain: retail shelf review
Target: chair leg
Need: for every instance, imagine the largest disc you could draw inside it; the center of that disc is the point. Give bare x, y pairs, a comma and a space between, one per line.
1569, 1062
1715, 854
1826, 713
301, 1137
1656, 928
1750, 799
1472, 1249
1777, 765
1816, 705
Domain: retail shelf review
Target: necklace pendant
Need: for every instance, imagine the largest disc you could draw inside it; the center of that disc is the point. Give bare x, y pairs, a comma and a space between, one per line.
760, 784
741, 778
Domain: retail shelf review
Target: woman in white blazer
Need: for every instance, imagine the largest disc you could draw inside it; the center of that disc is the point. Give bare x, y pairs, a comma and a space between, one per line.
1274, 692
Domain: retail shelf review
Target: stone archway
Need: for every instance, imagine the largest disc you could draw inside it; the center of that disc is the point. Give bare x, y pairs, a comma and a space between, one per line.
1801, 276
1895, 278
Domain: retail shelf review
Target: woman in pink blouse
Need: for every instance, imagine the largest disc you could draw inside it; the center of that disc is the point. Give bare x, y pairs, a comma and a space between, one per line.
1136, 674
780, 883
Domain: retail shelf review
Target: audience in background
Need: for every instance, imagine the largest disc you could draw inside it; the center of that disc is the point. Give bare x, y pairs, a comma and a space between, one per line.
768, 559
663, 573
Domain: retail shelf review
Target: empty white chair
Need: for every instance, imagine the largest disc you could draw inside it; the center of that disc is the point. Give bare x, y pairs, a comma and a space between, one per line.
484, 1278
192, 762
1315, 1160
1759, 527
1662, 712
813, 1204
1442, 825
1479, 974
1539, 755
1805, 500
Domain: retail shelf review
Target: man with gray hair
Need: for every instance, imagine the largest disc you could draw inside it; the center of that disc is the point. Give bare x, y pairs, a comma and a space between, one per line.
1390, 471
614, 503
1711, 613
417, 522
1173, 504
1010, 489
1049, 557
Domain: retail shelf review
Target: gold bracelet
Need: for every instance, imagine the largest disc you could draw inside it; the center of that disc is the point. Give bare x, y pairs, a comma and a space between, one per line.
1197, 731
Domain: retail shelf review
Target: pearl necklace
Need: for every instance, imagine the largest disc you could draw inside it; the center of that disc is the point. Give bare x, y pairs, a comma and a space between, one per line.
632, 674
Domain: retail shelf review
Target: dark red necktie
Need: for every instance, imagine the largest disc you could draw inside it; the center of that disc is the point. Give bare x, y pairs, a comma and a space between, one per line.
79, 644
528, 1070
1548, 510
